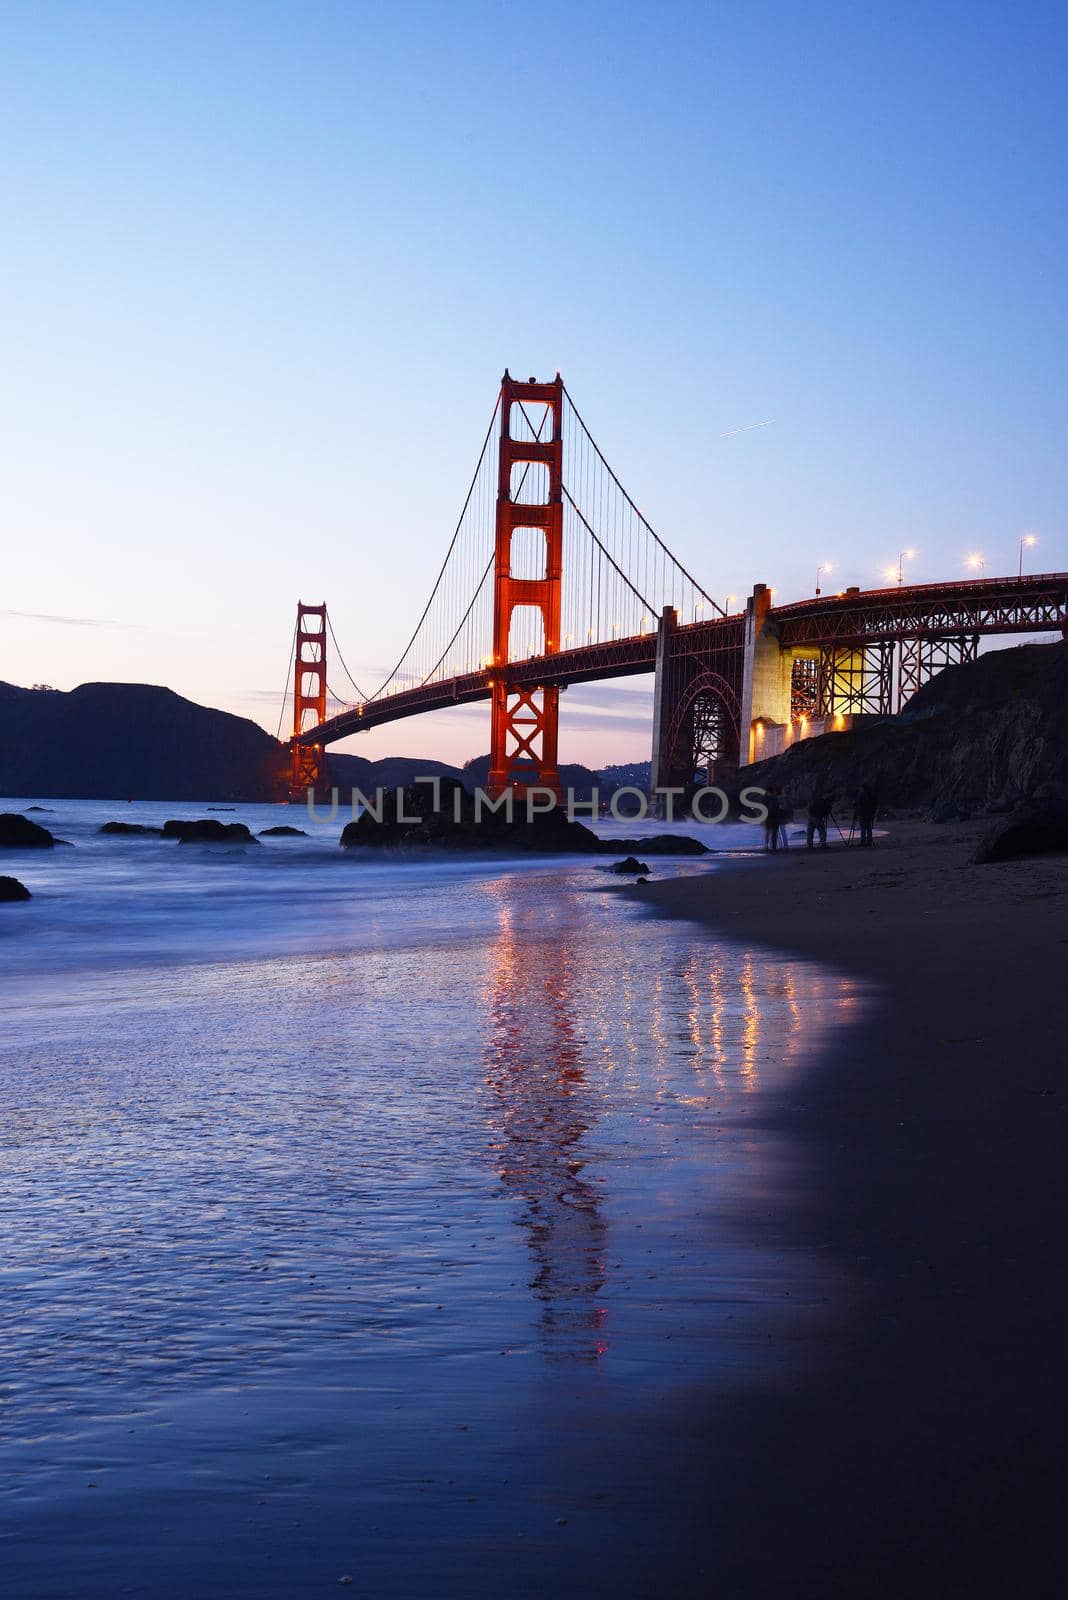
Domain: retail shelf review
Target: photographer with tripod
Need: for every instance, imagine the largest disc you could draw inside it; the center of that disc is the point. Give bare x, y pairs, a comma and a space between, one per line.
820, 809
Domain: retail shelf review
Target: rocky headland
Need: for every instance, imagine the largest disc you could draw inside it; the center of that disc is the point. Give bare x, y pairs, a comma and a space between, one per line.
980, 738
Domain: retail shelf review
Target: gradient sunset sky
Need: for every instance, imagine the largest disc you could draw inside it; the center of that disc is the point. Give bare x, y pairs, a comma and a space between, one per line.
802, 267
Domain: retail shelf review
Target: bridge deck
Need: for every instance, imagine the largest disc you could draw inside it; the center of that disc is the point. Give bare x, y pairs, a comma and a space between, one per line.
1032, 604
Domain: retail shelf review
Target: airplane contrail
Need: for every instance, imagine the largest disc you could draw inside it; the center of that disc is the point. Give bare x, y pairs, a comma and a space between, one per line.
72, 622
733, 432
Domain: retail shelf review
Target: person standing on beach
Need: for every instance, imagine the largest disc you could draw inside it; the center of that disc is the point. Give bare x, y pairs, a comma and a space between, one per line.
819, 809
865, 807
786, 815
773, 820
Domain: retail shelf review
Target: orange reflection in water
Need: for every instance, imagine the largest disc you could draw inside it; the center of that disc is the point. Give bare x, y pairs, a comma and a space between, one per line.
535, 1073
578, 1031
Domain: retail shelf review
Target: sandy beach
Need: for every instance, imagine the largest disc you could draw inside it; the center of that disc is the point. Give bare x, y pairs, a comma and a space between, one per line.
920, 1448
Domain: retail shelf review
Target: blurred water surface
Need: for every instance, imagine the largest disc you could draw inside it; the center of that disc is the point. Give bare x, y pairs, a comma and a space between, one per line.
377, 1218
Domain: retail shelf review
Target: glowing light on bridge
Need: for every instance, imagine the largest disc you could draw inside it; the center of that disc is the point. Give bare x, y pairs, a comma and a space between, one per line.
1027, 542
897, 574
976, 561
599, 577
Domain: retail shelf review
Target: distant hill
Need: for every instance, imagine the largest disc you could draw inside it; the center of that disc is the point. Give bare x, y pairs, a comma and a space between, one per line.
138, 741
390, 772
132, 741
625, 774
978, 737
357, 772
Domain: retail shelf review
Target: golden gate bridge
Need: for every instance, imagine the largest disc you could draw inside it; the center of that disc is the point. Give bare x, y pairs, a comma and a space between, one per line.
553, 576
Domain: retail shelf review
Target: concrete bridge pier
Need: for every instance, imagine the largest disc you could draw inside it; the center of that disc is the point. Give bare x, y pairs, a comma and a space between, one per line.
664, 770
768, 680
766, 674
695, 706
794, 691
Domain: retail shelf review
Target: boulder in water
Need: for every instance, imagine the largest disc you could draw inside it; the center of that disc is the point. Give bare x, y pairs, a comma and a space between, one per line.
208, 830
19, 833
410, 820
128, 828
1039, 828
631, 864
283, 831
12, 889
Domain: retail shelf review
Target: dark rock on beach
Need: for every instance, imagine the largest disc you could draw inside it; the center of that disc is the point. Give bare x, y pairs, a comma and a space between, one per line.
458, 824
454, 825
283, 832
12, 889
19, 833
129, 828
1037, 829
208, 830
631, 865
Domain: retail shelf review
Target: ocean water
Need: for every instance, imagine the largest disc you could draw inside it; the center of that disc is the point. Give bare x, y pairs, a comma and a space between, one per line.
378, 1219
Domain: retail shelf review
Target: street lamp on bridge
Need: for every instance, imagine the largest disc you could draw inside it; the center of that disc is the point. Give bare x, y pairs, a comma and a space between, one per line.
824, 566
1026, 540
898, 573
976, 561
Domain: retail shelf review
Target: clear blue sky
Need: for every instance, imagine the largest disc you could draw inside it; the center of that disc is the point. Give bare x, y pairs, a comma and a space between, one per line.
264, 264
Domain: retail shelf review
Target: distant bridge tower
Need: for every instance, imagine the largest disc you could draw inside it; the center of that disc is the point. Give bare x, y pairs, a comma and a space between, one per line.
524, 724
309, 699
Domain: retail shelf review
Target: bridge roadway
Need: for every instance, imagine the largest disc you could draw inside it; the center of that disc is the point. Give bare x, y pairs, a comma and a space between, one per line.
1031, 604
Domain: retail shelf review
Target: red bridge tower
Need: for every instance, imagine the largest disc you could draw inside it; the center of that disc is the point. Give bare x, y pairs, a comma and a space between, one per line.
524, 723
309, 695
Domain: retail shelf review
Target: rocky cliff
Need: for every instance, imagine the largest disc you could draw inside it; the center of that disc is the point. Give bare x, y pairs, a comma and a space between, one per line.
980, 737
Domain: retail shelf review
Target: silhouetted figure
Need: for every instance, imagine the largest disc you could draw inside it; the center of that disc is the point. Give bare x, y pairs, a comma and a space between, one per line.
819, 809
774, 819
786, 815
864, 808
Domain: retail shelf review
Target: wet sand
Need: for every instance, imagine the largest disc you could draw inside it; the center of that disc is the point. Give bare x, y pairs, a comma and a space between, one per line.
920, 1449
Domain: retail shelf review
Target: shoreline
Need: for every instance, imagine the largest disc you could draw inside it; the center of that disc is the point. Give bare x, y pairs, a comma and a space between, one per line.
919, 1448
896, 1426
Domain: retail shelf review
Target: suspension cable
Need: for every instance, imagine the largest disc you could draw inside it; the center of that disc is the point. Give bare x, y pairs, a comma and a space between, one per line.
448, 553
289, 674
359, 692
332, 694
689, 576
607, 553
463, 619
